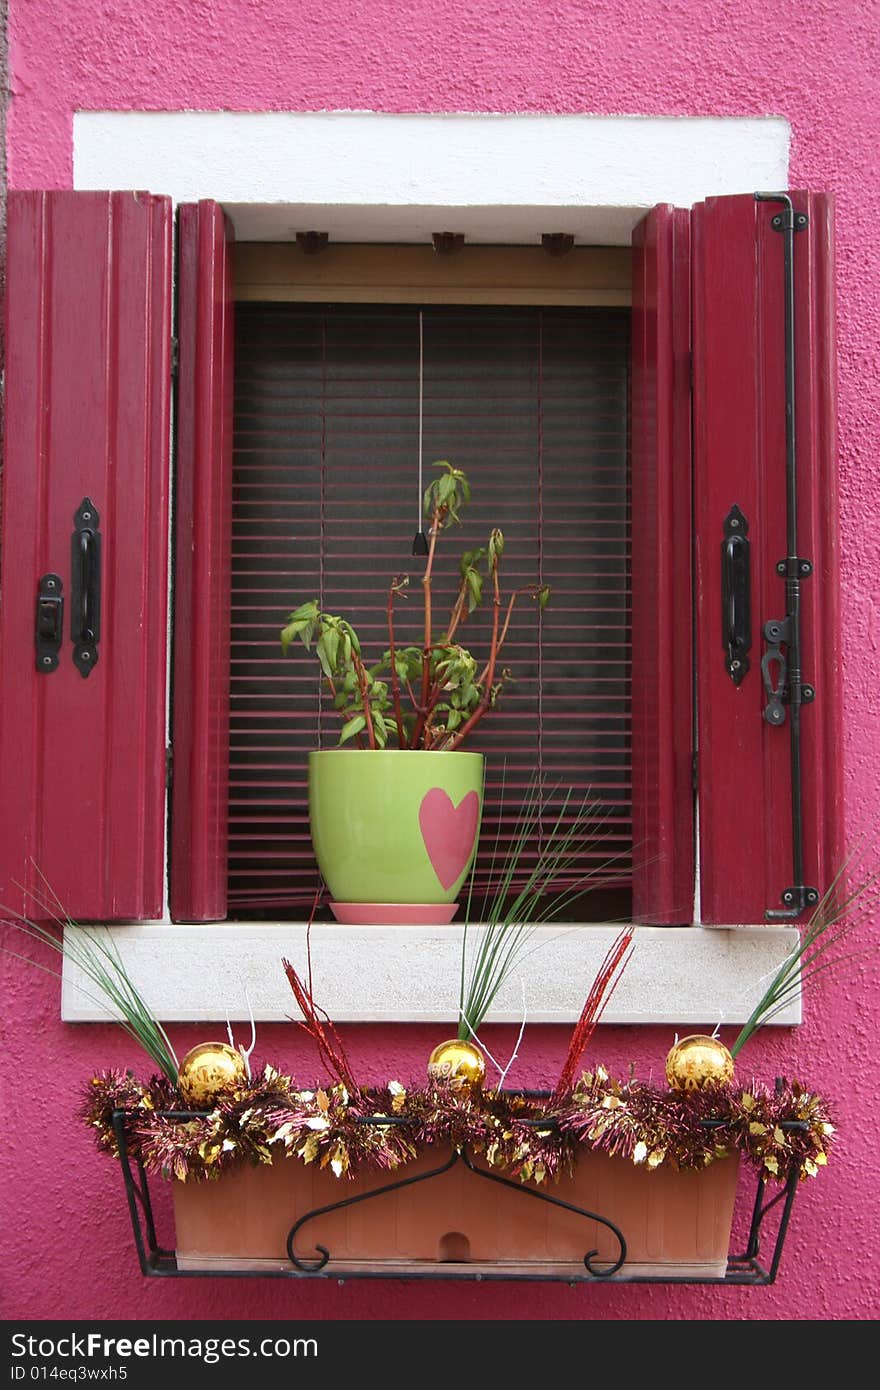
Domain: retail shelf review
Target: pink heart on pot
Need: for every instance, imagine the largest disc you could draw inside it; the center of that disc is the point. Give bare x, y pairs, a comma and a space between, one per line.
448, 832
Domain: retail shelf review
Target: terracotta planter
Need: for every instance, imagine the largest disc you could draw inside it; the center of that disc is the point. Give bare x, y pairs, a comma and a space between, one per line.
674, 1224
394, 830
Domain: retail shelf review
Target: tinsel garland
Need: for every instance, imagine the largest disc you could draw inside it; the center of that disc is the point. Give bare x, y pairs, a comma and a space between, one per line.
381, 1129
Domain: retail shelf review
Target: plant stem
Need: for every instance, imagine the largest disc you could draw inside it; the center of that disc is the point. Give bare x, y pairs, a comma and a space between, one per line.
365, 698
507, 617
395, 680
426, 650
458, 610
490, 666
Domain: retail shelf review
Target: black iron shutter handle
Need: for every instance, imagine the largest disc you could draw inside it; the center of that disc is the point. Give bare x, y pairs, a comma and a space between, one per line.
736, 601
87, 574
85, 622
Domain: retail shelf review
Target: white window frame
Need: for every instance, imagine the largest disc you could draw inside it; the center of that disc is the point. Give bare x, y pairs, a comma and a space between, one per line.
368, 176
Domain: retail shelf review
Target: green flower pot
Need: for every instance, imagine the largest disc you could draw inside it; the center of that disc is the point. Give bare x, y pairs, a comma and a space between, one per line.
394, 830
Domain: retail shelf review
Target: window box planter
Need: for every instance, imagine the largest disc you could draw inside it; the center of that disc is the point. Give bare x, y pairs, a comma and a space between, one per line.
445, 1215
669, 1222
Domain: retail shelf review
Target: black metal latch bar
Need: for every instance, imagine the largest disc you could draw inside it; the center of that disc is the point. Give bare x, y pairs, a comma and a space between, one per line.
788, 689
49, 623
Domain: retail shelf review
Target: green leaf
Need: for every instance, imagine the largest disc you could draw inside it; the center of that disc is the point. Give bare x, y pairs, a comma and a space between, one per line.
475, 589
471, 559
331, 640
446, 488
354, 726
306, 613
495, 547
297, 626
321, 653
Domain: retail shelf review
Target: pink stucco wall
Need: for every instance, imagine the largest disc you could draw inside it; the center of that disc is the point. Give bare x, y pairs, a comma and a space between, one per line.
66, 1246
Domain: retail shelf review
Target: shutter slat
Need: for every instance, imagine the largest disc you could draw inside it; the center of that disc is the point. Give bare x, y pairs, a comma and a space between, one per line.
662, 701
533, 405
203, 509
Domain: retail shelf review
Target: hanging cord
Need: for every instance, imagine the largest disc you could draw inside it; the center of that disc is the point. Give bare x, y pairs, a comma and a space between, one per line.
421, 411
420, 540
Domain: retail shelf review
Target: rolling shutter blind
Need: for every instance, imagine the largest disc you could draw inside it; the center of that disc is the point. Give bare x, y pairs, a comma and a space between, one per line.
740, 458
532, 403
662, 591
202, 526
82, 757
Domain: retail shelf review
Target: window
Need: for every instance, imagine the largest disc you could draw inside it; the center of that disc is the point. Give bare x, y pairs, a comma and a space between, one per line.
532, 403
83, 757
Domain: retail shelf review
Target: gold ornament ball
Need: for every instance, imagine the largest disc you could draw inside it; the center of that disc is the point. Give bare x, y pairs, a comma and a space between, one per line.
697, 1062
457, 1064
209, 1069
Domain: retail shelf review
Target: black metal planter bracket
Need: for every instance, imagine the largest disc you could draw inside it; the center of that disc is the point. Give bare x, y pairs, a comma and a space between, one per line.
157, 1261
460, 1154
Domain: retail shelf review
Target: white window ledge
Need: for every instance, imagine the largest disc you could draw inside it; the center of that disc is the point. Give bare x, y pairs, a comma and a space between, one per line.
677, 975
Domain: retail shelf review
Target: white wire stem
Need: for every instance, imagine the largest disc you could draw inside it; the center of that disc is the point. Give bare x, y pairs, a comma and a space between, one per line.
245, 1052
515, 1053
479, 1041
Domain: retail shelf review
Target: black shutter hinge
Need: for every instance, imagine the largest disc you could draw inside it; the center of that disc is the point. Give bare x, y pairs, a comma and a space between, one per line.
797, 899
175, 357
789, 220
169, 766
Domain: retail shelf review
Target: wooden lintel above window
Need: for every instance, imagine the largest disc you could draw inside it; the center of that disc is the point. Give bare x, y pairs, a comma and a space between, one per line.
379, 273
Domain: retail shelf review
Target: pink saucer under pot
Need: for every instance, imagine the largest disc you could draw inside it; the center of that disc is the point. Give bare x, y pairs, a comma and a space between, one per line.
394, 914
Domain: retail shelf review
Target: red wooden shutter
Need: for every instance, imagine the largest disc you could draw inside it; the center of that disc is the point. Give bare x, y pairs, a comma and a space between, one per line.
662, 682
82, 758
740, 457
202, 522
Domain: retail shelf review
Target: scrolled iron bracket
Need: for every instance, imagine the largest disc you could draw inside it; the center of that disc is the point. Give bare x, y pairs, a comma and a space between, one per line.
314, 1266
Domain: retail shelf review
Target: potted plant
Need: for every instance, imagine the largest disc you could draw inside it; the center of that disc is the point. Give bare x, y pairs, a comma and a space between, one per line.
395, 809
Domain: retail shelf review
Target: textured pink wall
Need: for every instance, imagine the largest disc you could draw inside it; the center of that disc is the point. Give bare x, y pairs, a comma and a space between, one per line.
813, 62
